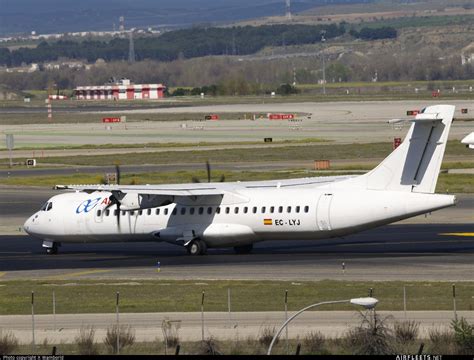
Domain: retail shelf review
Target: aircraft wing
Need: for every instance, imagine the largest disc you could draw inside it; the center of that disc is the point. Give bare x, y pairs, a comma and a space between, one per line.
175, 190
200, 189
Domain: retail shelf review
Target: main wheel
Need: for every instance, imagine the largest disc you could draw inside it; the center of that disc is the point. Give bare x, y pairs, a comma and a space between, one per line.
243, 249
197, 247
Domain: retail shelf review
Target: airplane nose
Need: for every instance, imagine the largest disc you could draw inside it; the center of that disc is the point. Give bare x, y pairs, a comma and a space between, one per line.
27, 225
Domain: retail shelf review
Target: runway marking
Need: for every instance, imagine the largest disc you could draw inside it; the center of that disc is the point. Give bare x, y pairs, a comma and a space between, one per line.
78, 273
470, 234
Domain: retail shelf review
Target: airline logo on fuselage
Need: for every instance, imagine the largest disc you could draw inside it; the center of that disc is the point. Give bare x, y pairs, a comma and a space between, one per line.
87, 205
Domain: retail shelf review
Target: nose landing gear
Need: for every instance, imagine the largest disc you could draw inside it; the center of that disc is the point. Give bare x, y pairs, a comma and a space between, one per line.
51, 247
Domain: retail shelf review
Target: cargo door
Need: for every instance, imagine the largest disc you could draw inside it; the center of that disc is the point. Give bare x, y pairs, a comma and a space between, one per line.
322, 213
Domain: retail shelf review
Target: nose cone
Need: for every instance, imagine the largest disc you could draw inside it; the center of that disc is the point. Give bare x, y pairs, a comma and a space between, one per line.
28, 225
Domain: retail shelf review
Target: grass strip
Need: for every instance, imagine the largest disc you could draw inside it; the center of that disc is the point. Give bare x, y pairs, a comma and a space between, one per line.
98, 296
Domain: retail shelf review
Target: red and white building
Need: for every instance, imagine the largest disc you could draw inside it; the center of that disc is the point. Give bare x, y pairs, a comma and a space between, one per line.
122, 91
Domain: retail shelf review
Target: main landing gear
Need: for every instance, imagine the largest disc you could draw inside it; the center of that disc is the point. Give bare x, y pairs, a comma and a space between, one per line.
197, 247
243, 249
51, 247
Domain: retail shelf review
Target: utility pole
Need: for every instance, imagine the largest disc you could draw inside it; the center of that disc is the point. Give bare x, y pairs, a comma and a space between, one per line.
323, 41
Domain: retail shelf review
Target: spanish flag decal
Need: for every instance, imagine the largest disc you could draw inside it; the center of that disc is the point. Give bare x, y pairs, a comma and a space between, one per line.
267, 222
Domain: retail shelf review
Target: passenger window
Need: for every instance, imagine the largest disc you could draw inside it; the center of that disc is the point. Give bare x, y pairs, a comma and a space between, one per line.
191, 211
280, 209
254, 210
157, 211
148, 212
132, 213
140, 212
99, 212
288, 209
263, 209
183, 211
201, 210
107, 212
218, 210
236, 210
174, 211
115, 212
227, 210
166, 211
209, 210
297, 209
246, 210
50, 206
272, 209
306, 209
123, 212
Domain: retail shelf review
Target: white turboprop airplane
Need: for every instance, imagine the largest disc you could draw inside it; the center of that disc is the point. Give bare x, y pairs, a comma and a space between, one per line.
238, 214
469, 140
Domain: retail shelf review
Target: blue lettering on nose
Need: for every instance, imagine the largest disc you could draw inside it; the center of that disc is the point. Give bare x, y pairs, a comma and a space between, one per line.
87, 205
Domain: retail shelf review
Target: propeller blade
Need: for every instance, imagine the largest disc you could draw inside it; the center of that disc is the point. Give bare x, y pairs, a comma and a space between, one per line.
114, 201
117, 174
118, 215
208, 169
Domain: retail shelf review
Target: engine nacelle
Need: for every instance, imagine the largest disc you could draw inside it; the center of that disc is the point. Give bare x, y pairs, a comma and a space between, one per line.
135, 201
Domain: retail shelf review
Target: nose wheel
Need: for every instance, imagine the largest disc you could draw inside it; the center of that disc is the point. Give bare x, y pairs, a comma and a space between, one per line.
197, 247
51, 247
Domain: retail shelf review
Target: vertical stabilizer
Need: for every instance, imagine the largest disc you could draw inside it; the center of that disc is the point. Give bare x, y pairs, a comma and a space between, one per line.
414, 166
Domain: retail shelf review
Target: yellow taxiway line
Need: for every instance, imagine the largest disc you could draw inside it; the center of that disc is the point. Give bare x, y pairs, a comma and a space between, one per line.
78, 273
458, 234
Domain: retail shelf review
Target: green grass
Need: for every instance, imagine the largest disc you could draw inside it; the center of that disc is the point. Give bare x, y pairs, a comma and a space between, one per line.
169, 144
286, 153
87, 296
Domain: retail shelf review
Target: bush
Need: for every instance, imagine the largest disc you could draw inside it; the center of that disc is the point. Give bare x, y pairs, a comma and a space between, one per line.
170, 332
406, 331
463, 335
125, 335
442, 341
266, 336
8, 343
85, 342
209, 347
286, 89
314, 342
371, 337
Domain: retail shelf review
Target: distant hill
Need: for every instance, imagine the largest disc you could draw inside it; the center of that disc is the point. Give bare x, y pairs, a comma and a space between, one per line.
58, 16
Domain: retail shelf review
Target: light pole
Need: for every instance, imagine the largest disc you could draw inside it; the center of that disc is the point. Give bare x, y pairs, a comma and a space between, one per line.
323, 41
367, 302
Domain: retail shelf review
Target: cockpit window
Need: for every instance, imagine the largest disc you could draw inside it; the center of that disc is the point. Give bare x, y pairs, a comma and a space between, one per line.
45, 205
50, 206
